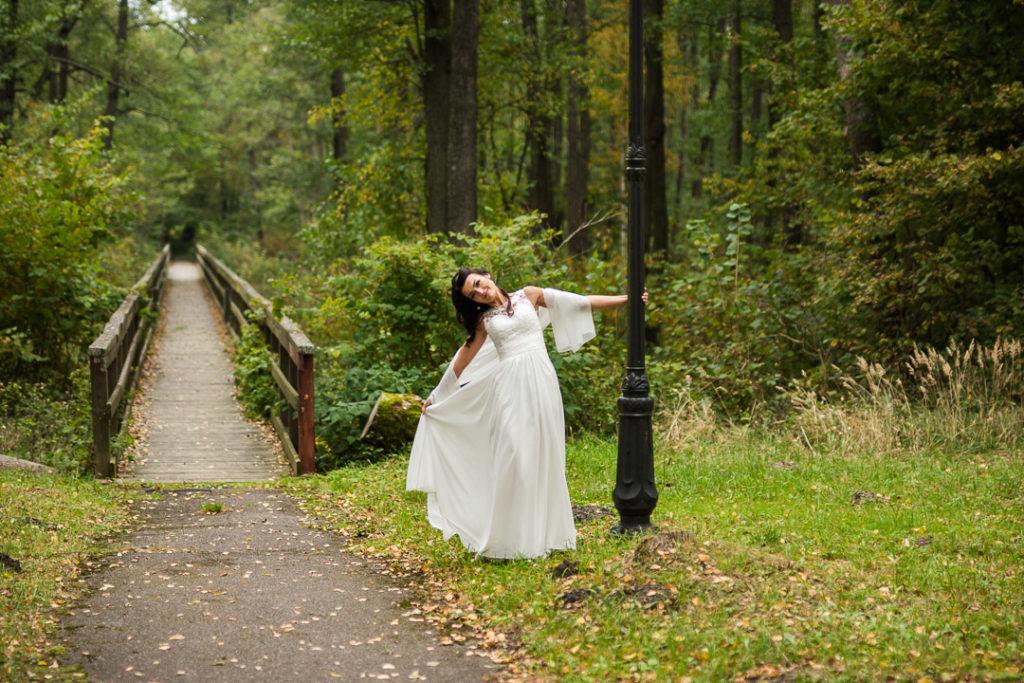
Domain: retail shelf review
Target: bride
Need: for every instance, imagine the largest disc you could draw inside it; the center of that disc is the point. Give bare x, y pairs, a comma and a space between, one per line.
489, 449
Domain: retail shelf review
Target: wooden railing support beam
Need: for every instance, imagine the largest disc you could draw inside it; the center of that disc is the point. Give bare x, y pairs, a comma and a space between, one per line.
307, 439
100, 417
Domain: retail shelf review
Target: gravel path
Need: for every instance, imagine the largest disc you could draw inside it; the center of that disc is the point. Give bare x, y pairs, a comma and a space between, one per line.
249, 593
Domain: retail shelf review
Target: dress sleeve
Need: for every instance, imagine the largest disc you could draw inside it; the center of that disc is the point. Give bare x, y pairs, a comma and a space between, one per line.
483, 364
572, 321
448, 385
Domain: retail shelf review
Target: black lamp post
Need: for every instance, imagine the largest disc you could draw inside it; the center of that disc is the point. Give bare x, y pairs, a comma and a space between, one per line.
635, 493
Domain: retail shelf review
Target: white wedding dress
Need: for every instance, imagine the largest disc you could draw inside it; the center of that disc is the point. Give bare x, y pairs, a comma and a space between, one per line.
490, 451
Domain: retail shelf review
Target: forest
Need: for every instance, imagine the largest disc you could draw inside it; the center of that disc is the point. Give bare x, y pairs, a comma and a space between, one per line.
829, 186
833, 206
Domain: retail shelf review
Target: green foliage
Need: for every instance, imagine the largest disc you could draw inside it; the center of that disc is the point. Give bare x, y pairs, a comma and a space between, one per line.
921, 240
344, 398
48, 424
385, 323
252, 374
729, 315
61, 201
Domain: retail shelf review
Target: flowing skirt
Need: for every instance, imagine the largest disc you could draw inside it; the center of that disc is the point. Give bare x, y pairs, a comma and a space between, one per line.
491, 457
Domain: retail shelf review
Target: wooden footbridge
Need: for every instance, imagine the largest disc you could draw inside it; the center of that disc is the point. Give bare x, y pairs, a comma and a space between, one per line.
193, 427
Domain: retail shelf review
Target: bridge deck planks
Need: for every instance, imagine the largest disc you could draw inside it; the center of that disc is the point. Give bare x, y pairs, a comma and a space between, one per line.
194, 426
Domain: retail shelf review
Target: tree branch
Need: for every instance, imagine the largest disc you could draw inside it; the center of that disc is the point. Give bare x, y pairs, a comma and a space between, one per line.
596, 220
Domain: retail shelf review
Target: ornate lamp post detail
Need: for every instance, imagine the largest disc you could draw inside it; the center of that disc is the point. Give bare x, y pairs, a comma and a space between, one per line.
635, 493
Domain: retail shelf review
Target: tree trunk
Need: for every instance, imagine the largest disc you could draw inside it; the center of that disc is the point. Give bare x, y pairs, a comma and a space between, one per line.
715, 59
462, 161
578, 163
8, 70
782, 18
556, 152
655, 206
554, 38
756, 102
116, 69
340, 137
861, 125
254, 188
541, 192
706, 155
435, 82
705, 164
735, 87
58, 56
687, 46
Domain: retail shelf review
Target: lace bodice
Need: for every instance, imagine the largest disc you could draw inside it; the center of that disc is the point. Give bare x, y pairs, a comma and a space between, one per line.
517, 333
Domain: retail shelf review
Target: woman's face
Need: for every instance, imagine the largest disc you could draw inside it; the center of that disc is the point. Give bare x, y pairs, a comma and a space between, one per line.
481, 289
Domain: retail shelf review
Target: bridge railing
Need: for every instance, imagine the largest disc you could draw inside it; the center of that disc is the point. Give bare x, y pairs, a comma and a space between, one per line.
291, 353
115, 359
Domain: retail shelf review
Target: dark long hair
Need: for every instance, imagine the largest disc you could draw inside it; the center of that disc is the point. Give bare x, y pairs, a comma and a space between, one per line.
468, 311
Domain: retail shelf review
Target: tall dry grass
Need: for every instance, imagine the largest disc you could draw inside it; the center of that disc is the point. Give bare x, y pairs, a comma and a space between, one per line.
682, 419
968, 398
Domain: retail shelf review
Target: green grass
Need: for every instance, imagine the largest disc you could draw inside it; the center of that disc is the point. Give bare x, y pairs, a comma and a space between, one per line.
53, 525
786, 575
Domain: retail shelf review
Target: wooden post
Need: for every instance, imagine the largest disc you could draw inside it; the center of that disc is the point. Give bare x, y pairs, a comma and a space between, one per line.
100, 416
307, 446
225, 303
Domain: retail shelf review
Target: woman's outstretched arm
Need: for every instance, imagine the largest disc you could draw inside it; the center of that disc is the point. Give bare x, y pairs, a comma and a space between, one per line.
536, 295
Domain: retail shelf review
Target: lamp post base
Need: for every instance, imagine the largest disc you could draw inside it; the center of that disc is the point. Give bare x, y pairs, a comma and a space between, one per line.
633, 528
635, 494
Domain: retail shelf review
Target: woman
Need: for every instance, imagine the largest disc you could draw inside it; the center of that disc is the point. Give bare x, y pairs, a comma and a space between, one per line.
490, 446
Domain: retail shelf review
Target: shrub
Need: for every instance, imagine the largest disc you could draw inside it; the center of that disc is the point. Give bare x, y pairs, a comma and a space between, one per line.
385, 323
60, 200
344, 399
48, 424
252, 374
730, 316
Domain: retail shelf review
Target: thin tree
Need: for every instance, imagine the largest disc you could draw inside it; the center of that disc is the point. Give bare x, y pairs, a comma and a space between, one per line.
8, 70
706, 153
578, 162
735, 85
782, 19
462, 160
58, 51
435, 83
114, 86
655, 206
687, 43
340, 137
539, 124
861, 123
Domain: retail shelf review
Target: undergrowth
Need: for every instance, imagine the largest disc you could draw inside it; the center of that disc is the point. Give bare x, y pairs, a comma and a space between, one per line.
48, 423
